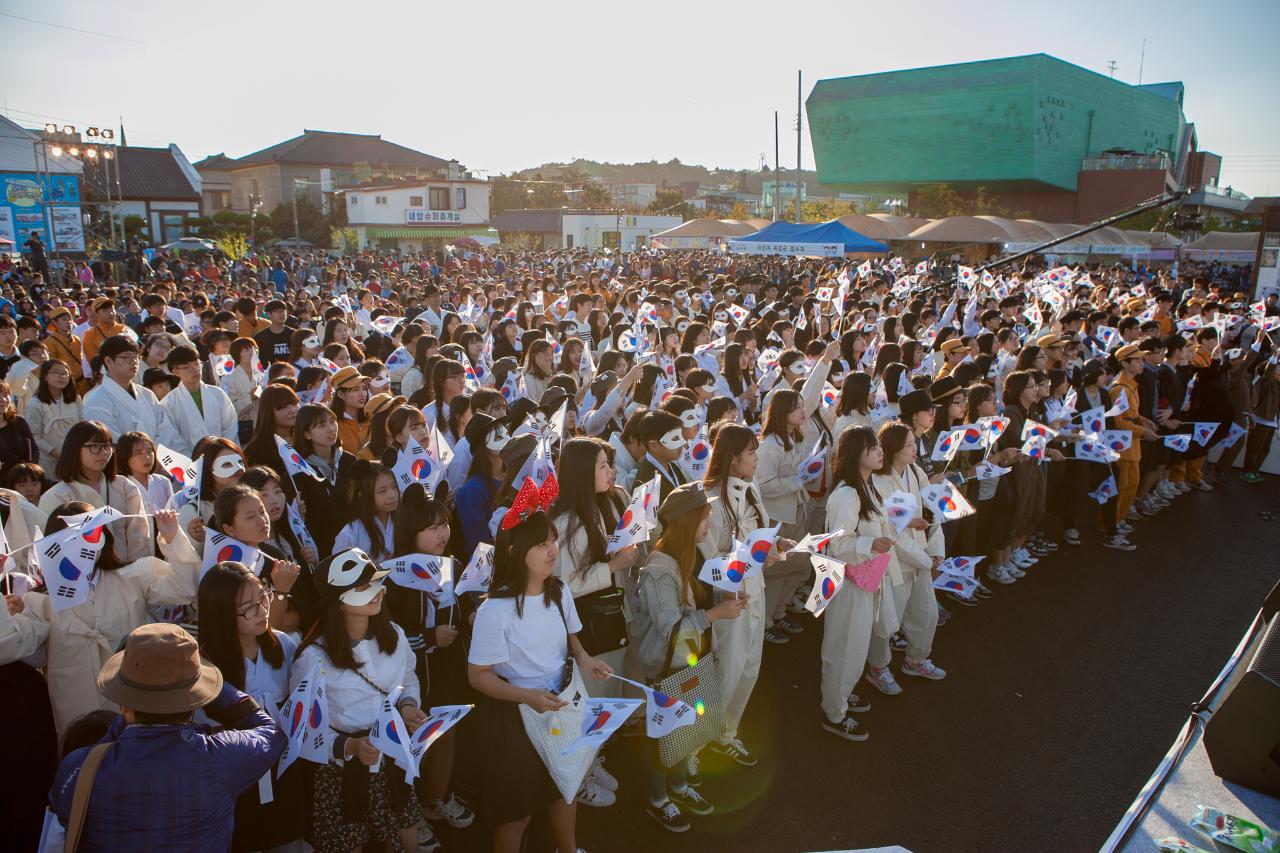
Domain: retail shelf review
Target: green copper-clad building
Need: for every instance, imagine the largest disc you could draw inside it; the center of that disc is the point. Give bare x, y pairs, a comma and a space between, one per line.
1035, 131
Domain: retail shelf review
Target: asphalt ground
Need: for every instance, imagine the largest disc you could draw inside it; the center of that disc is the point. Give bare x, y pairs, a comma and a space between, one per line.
1062, 694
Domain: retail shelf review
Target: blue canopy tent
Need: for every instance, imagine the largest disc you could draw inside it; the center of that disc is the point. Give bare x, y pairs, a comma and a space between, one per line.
826, 239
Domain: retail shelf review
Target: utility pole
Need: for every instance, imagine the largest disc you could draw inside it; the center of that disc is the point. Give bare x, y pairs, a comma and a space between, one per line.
799, 125
777, 166
295, 208
1111, 66
1142, 61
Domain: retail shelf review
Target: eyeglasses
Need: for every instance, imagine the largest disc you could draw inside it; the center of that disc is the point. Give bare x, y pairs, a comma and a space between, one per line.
128, 358
263, 603
100, 447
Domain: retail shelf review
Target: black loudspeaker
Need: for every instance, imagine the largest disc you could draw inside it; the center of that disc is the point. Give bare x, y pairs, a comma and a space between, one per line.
1242, 737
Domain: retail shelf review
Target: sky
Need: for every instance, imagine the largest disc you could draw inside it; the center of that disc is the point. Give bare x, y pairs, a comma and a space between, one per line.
507, 85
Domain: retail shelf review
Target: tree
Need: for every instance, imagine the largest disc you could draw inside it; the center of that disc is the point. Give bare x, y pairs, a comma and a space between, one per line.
938, 201
823, 209
739, 212
312, 224
670, 201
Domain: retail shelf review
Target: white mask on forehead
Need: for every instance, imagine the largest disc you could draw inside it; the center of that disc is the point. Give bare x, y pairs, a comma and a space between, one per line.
673, 440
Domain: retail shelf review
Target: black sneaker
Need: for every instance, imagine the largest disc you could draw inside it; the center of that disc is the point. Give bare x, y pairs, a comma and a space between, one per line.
960, 599
668, 814
857, 704
790, 625
692, 802
848, 728
776, 635
982, 592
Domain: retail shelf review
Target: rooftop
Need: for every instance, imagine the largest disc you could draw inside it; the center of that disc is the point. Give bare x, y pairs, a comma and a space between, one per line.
152, 173
325, 147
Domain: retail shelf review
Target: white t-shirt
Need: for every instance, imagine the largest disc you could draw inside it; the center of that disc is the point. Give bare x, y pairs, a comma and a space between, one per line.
527, 650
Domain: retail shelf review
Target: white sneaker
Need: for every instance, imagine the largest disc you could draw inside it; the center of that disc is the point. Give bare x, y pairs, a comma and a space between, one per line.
999, 575
1183, 487
1023, 561
1119, 543
883, 681
1124, 528
592, 793
598, 774
1071, 536
427, 841
1014, 570
450, 810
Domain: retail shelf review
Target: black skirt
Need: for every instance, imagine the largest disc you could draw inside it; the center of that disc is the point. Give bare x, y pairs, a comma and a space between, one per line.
514, 782
261, 826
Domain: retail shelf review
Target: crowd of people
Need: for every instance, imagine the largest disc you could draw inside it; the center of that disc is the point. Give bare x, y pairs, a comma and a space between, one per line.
211, 467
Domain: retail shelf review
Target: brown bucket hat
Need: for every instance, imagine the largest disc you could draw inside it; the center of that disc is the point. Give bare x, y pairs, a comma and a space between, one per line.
159, 672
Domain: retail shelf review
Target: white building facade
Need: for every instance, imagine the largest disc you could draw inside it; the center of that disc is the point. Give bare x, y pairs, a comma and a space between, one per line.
420, 215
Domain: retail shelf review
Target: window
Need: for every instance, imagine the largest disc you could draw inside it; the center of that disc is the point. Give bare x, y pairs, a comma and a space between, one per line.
379, 199
439, 198
460, 198
415, 201
353, 199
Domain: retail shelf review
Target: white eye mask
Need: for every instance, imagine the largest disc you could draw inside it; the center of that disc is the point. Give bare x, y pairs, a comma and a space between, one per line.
710, 388
228, 466
497, 439
681, 326
360, 597
797, 367
673, 440
691, 418
312, 342
722, 316
380, 381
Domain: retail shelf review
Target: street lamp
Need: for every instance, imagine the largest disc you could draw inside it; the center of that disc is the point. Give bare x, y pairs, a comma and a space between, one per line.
255, 202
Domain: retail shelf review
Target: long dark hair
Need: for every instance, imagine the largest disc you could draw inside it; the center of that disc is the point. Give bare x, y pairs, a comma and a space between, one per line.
853, 442
855, 394
219, 639
781, 405
206, 451
45, 394
329, 631
510, 572
262, 445
68, 468
256, 478
311, 415
364, 479
578, 498
893, 437
417, 511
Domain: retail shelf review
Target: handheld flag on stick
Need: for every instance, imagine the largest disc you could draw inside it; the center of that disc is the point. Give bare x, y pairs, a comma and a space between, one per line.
304, 717
293, 462
478, 574
828, 578
221, 548
391, 736
426, 572
944, 499
901, 507
600, 719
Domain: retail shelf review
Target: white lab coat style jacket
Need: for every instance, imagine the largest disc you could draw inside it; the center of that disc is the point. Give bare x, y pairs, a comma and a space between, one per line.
739, 643
21, 528
132, 410
81, 638
132, 535
850, 616
50, 423
190, 424
911, 604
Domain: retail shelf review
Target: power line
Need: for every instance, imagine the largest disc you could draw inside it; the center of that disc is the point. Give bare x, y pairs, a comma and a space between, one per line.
72, 29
